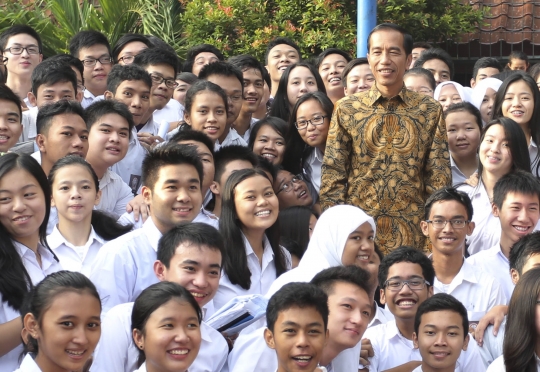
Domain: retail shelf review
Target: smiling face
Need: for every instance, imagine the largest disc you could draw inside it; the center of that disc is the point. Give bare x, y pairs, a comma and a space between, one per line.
171, 338
299, 338
160, 93
494, 151
233, 88
253, 90
519, 214
279, 58
207, 114
95, 77
440, 339
486, 106
449, 95
330, 69
463, 134
135, 94
294, 194
439, 69
23, 64
359, 247
313, 135
301, 81
518, 104
359, 79
269, 144
108, 140
207, 161
52, 93
256, 203
10, 124
68, 332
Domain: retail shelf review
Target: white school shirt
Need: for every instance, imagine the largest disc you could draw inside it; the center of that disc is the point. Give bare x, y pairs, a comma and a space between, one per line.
495, 263
261, 277
492, 347
248, 131
49, 265
476, 290
28, 122
173, 111
130, 167
382, 316
115, 194
233, 138
89, 98
392, 349
419, 368
124, 267
533, 151
74, 258
28, 364
204, 216
313, 165
457, 175
117, 352
499, 366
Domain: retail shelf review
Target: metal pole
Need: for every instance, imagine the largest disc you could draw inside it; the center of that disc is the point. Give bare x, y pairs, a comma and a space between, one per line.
367, 20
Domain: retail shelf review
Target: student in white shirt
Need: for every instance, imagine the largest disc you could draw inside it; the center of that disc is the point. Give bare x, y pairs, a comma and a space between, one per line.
463, 127
503, 148
447, 223
516, 203
520, 350
81, 230
10, 118
267, 139
189, 255
166, 326
172, 179
308, 130
25, 258
62, 323
440, 333
248, 224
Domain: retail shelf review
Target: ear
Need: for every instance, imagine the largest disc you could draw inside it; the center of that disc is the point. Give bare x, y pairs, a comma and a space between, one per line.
345, 91
32, 98
53, 204
269, 338
147, 194
138, 338
382, 297
187, 119
425, 228
98, 198
41, 141
108, 94
79, 96
214, 187
160, 270
415, 340
515, 276
409, 60
31, 325
430, 291
466, 342
470, 228
473, 82
495, 210
40, 58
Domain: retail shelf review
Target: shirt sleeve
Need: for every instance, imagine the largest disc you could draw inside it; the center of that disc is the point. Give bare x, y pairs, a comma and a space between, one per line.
437, 172
125, 195
334, 173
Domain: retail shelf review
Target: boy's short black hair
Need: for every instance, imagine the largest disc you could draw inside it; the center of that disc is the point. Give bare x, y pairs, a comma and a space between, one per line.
7, 94
17, 30
327, 278
485, 62
156, 56
125, 40
120, 73
70, 61
193, 233
187, 77
266, 166
449, 194
98, 109
227, 154
352, 64
442, 302
63, 107
193, 52
518, 54
406, 254
436, 53
523, 249
222, 69
87, 39
407, 37
193, 135
420, 71
51, 72
422, 44
297, 295
169, 154
518, 181
463, 106
331, 51
245, 62
278, 41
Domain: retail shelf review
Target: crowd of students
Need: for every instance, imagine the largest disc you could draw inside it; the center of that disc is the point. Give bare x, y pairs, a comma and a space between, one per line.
139, 195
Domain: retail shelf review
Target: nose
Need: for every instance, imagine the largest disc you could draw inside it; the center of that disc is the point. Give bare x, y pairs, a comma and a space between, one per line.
77, 142
200, 280
181, 335
136, 101
75, 193
3, 124
405, 288
303, 88
516, 102
183, 195
270, 145
440, 339
211, 117
114, 137
18, 205
301, 340
261, 201
447, 227
79, 336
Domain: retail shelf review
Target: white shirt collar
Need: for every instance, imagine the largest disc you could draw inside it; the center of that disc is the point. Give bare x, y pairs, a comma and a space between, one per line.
56, 239
88, 94
152, 233
29, 364
47, 257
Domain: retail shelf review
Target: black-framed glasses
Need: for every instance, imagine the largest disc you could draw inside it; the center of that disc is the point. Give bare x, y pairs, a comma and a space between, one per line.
81, 87
395, 285
127, 59
158, 79
90, 62
317, 120
441, 224
16, 50
289, 186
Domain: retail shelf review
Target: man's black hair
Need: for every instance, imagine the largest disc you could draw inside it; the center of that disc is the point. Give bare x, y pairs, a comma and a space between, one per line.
193, 135
87, 39
407, 38
7, 94
130, 72
486, 62
69, 60
449, 194
327, 278
98, 109
245, 62
436, 53
406, 254
47, 113
221, 69
193, 52
125, 40
422, 44
331, 51
523, 249
442, 302
519, 182
156, 56
227, 154
17, 30
50, 72
278, 41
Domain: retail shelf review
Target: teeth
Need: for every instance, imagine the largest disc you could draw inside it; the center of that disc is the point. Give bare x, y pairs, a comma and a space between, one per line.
363, 257
335, 79
406, 303
200, 295
179, 352
521, 228
303, 193
262, 213
303, 357
4, 137
75, 352
181, 209
269, 156
22, 218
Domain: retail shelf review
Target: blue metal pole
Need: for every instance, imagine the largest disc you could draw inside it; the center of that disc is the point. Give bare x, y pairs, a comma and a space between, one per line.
367, 20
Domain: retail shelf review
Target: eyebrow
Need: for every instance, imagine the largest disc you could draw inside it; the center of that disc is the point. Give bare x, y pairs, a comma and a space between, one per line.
52, 90
133, 89
110, 126
291, 323
410, 277
24, 187
90, 56
435, 326
13, 113
19, 44
456, 216
349, 299
191, 180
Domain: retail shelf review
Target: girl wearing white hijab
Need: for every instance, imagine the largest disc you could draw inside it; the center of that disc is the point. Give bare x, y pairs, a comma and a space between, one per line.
483, 97
343, 235
449, 92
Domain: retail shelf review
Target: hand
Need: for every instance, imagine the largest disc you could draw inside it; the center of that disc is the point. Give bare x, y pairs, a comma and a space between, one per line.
138, 207
366, 351
494, 316
473, 180
148, 140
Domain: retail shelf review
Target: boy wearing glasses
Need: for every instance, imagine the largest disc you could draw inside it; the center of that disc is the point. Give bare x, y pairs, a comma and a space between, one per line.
448, 215
93, 50
22, 53
406, 275
516, 202
292, 190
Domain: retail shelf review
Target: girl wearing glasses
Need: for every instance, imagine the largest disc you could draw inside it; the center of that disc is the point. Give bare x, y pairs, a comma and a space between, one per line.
308, 128
249, 225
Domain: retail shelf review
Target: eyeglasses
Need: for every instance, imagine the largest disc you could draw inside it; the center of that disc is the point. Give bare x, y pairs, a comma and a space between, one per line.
126, 59
395, 285
170, 83
288, 186
18, 50
90, 62
81, 87
317, 120
441, 224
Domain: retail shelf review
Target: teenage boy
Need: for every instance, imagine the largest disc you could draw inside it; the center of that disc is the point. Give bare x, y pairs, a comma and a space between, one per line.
297, 326
172, 179
253, 75
93, 50
516, 202
110, 124
131, 85
417, 49
201, 55
10, 118
22, 48
438, 62
440, 333
128, 47
228, 160
189, 255
77, 67
230, 79
406, 275
280, 54
448, 216
483, 68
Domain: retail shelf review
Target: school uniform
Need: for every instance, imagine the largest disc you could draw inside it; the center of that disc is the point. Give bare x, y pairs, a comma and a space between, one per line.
28, 364
419, 368
173, 111
75, 258
457, 175
117, 352
89, 98
312, 167
233, 138
204, 216
382, 316
248, 131
115, 194
492, 346
28, 121
37, 273
495, 263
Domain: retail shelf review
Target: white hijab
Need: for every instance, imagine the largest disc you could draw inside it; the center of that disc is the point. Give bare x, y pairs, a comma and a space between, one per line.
479, 91
326, 245
462, 93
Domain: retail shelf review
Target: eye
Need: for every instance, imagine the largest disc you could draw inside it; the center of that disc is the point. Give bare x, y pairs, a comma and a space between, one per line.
94, 325
193, 326
189, 268
127, 94
67, 324
347, 306
63, 188
68, 134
